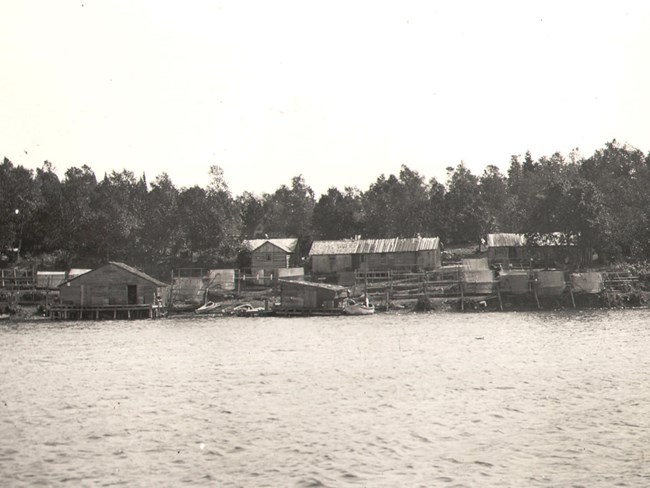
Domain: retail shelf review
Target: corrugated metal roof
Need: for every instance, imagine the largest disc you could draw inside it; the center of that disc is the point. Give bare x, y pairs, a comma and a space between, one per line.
287, 245
506, 240
374, 246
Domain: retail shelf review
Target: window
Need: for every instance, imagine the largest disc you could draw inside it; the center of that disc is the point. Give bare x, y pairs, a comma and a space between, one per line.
269, 257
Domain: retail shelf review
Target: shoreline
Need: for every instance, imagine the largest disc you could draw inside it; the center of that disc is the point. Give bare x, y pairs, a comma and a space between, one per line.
264, 299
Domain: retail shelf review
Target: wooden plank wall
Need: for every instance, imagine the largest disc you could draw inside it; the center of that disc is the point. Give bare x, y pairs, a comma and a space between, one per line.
107, 286
268, 257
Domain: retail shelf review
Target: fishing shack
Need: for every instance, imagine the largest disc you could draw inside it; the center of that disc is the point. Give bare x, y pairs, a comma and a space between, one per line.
114, 290
506, 249
307, 298
345, 256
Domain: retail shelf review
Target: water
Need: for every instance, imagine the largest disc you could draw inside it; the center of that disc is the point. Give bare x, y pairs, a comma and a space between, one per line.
494, 399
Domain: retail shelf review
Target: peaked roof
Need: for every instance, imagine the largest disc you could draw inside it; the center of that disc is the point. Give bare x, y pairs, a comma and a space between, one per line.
374, 246
125, 267
287, 245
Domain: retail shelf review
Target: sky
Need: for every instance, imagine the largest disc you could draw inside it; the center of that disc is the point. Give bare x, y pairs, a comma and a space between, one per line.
339, 92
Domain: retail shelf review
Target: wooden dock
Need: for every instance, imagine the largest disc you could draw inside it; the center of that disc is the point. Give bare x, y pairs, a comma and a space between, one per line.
106, 312
306, 312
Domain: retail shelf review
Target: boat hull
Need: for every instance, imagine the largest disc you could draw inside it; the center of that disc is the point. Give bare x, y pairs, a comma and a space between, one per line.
358, 309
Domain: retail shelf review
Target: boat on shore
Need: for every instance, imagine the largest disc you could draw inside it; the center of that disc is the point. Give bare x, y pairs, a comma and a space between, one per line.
352, 307
208, 307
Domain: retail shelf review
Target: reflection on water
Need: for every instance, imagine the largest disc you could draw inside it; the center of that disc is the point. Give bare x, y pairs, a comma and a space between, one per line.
510, 399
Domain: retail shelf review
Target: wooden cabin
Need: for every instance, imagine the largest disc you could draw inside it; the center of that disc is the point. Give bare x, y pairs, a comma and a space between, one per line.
404, 254
310, 298
114, 290
269, 255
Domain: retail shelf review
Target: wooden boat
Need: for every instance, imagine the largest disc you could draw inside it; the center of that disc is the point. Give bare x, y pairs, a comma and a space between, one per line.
351, 307
247, 310
208, 307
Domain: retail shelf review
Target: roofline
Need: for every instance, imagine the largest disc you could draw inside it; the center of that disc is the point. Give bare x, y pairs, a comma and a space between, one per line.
270, 241
274, 245
437, 245
150, 279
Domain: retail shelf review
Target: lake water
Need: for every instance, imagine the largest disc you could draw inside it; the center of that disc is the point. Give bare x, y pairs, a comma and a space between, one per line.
492, 399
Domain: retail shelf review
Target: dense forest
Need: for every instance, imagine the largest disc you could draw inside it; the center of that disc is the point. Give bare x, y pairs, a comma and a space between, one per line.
82, 220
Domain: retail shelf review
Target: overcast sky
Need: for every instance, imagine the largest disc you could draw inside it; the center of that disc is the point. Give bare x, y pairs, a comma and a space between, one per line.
339, 92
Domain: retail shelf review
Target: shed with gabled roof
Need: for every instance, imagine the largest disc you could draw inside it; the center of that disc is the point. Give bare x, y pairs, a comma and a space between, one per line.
112, 284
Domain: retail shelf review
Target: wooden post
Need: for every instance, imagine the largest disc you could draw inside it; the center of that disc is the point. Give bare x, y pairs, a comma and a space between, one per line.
499, 295
462, 292
535, 293
365, 282
573, 301
425, 288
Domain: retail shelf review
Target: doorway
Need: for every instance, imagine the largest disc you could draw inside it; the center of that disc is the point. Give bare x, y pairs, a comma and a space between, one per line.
132, 294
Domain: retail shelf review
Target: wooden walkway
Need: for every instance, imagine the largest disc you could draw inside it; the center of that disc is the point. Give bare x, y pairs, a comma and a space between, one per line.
106, 312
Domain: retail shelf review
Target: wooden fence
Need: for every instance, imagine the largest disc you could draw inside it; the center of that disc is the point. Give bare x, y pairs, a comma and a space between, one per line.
450, 282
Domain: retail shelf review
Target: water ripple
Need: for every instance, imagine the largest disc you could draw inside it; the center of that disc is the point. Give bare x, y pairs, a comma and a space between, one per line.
544, 399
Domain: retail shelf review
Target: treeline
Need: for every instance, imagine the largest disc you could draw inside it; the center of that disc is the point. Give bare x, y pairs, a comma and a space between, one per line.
81, 220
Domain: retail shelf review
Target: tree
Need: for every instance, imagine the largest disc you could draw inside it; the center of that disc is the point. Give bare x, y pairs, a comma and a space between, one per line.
252, 211
78, 187
397, 206
337, 215
47, 232
117, 211
161, 235
437, 220
290, 210
493, 192
621, 175
463, 205
19, 200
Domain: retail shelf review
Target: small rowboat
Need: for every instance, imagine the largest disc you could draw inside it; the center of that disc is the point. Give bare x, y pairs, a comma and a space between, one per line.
208, 307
